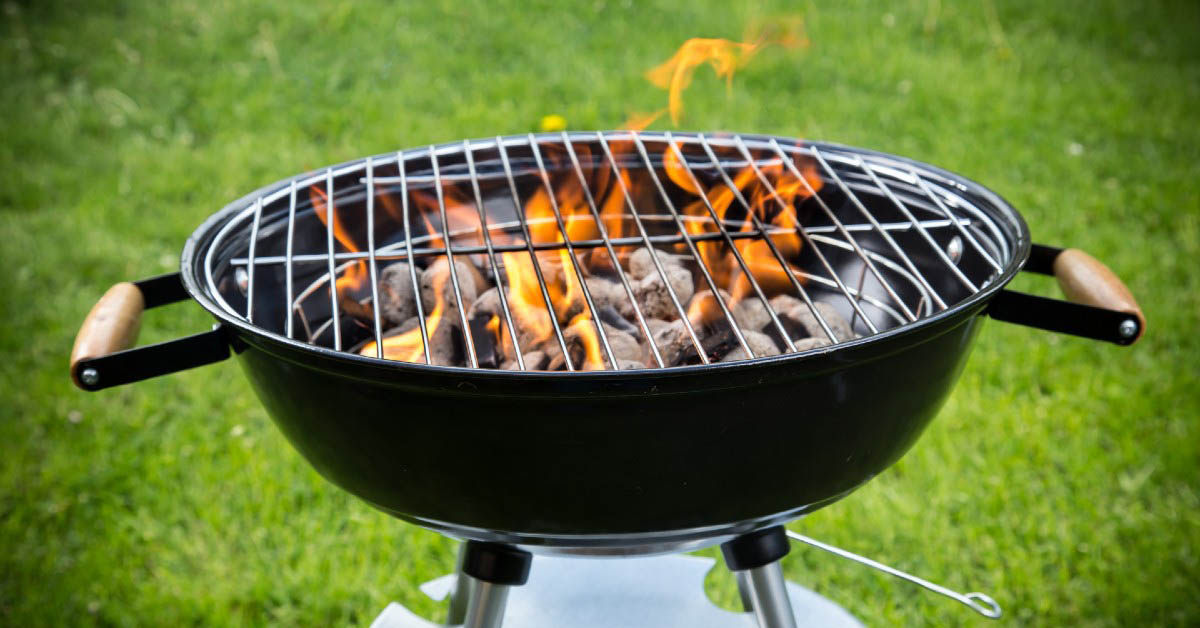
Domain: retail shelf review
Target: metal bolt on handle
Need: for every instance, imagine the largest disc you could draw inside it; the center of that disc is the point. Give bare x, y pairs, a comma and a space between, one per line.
979, 602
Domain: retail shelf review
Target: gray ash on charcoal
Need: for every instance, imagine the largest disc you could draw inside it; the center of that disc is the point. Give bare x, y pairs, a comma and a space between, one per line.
760, 345
489, 325
624, 345
675, 344
396, 296
800, 322
653, 296
641, 264
610, 294
610, 316
446, 345
750, 313
625, 348
534, 361
438, 274
525, 321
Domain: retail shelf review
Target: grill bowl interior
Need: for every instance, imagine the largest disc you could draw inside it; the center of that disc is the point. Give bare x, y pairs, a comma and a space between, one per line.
887, 242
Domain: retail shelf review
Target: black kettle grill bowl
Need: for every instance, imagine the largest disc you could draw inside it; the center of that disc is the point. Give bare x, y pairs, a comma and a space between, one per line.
617, 458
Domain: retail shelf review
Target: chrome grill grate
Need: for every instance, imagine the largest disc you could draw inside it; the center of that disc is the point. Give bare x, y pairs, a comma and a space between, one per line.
882, 240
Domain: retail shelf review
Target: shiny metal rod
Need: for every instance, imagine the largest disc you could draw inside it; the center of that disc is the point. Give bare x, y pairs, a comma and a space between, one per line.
460, 596
979, 602
768, 596
486, 608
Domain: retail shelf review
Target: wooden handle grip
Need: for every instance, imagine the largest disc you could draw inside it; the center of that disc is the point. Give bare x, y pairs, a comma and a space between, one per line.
111, 326
1085, 280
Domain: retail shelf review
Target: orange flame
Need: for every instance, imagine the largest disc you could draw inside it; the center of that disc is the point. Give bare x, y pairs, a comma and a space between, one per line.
676, 74
639, 121
410, 345
558, 269
704, 309
613, 189
593, 360
354, 276
725, 57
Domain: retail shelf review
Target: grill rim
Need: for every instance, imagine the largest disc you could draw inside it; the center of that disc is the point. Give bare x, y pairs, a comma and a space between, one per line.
200, 241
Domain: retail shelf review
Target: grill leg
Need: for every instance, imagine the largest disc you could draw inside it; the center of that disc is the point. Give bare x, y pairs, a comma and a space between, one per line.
488, 571
754, 558
460, 596
486, 609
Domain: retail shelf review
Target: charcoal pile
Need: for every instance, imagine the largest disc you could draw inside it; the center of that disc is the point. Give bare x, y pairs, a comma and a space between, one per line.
659, 311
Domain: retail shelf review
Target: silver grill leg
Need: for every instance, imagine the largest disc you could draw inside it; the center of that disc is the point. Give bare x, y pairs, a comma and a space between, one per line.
486, 572
754, 558
768, 596
460, 596
486, 608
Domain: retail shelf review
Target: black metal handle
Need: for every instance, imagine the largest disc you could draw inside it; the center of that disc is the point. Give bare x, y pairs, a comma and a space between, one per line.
96, 372
1121, 326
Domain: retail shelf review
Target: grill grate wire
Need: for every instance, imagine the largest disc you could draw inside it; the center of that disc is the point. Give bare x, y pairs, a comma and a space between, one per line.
945, 209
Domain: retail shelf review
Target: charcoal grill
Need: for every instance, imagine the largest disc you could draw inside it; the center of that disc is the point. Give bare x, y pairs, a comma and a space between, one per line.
714, 440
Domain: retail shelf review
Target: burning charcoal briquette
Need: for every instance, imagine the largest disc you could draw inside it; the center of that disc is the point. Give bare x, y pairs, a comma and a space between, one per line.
607, 293
784, 302
396, 301
641, 264
750, 313
527, 321
654, 298
837, 323
674, 343
655, 324
438, 273
627, 365
445, 343
624, 346
704, 310
534, 361
612, 317
486, 305
759, 343
804, 344
799, 319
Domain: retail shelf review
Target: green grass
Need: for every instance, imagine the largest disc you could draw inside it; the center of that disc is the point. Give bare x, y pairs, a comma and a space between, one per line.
1061, 476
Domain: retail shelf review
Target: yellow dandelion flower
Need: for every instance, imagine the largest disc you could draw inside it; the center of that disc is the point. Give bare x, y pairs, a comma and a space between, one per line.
553, 122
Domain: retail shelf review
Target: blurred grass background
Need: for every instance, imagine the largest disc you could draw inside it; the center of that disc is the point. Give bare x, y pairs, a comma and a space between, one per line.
1061, 478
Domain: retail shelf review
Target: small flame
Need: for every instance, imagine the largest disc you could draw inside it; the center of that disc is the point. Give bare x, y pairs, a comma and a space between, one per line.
725, 57
525, 297
639, 121
704, 309
563, 284
676, 73
677, 172
561, 211
462, 219
410, 345
583, 326
353, 278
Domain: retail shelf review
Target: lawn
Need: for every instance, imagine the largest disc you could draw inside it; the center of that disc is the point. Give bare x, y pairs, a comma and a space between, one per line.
1062, 477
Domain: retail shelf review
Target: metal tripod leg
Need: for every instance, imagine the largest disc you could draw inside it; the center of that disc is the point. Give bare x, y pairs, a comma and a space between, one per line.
754, 559
769, 597
486, 572
486, 609
460, 596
